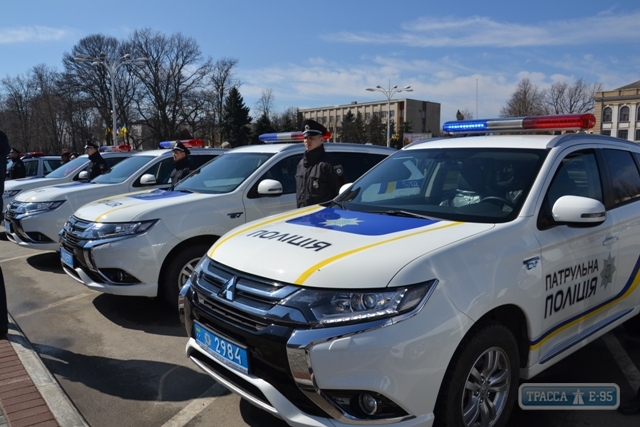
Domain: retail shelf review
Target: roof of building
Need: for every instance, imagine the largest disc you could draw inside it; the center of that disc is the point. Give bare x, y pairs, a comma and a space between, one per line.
634, 85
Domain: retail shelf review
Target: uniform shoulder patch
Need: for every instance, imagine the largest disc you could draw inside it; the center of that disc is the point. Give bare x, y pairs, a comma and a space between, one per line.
339, 170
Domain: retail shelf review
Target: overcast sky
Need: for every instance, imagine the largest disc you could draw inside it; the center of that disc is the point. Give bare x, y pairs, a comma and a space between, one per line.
463, 54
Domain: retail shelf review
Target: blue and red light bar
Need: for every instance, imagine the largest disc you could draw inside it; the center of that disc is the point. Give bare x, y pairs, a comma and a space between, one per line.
189, 143
112, 148
515, 124
273, 138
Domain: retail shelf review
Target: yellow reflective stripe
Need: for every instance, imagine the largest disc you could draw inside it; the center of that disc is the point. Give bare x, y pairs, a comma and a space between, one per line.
121, 207
629, 291
391, 186
297, 212
300, 280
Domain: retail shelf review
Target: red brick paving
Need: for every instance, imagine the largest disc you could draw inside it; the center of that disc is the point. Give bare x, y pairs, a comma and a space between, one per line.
20, 400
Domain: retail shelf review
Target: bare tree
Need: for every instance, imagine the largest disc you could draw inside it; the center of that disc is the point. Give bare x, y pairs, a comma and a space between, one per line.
287, 121
266, 103
527, 100
566, 98
18, 113
174, 71
222, 80
465, 113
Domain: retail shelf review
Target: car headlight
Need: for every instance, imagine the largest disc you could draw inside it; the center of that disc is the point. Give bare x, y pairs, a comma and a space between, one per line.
37, 207
105, 230
336, 307
10, 193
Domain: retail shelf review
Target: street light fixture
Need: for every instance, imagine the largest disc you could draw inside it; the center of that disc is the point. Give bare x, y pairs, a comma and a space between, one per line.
112, 68
389, 94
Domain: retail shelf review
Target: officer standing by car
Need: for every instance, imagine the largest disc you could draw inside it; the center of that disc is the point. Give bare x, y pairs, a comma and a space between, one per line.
180, 163
98, 164
17, 168
318, 176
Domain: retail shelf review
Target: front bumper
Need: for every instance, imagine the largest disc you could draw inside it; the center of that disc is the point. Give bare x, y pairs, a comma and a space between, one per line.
127, 266
296, 372
36, 231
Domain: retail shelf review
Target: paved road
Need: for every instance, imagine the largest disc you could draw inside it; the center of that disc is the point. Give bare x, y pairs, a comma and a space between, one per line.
122, 362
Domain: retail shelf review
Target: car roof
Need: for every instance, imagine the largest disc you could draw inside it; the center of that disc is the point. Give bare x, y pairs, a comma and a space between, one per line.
299, 147
543, 142
167, 152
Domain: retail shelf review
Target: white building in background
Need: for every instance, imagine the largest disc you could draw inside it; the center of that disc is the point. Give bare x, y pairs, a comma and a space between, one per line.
618, 112
424, 116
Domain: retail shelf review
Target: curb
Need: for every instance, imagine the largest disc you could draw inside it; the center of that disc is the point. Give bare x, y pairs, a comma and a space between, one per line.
57, 400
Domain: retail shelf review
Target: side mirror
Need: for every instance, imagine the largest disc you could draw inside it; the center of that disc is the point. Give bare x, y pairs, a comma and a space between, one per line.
269, 188
84, 176
345, 187
147, 179
578, 210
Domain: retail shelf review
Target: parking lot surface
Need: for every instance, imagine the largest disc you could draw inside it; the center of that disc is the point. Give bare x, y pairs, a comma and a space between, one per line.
121, 361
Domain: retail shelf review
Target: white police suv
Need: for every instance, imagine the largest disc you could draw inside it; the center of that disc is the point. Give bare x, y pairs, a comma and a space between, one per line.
148, 243
35, 217
426, 290
68, 172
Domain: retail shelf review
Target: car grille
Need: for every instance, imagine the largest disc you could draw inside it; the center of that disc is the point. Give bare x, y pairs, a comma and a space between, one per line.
73, 230
256, 320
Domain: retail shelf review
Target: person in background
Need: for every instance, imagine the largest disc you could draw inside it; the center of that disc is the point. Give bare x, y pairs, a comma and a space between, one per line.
318, 176
225, 144
17, 168
74, 155
65, 157
4, 322
98, 164
180, 163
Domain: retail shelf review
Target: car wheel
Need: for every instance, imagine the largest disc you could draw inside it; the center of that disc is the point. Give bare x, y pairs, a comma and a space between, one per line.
481, 382
178, 271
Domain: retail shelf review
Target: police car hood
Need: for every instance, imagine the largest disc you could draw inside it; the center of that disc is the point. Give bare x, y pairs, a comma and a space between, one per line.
57, 192
332, 248
135, 206
31, 182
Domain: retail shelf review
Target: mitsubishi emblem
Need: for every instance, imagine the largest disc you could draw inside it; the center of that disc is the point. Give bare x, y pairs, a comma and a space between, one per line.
228, 292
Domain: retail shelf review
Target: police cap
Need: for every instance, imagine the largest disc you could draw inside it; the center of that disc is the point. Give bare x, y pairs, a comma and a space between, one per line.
180, 147
91, 144
13, 150
311, 127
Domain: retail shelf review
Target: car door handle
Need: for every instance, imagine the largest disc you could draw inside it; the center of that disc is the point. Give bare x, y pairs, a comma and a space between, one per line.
610, 240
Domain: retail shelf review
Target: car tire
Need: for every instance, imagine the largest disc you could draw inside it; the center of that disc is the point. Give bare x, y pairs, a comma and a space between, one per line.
481, 383
633, 325
178, 271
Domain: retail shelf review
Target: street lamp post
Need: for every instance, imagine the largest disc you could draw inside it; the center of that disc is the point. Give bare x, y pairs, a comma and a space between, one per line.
111, 67
389, 94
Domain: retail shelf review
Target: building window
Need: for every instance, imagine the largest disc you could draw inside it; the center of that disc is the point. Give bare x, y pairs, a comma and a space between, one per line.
606, 132
637, 134
624, 114
367, 116
330, 119
607, 114
623, 134
392, 114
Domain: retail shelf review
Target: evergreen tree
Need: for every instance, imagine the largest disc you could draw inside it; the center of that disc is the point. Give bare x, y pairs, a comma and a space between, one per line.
263, 125
235, 120
359, 131
375, 130
347, 130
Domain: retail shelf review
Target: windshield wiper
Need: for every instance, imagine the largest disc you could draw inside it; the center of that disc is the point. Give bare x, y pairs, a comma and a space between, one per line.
339, 204
394, 212
183, 191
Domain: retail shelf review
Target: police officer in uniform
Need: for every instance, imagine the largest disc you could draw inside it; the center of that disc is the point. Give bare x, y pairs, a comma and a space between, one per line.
98, 163
17, 168
318, 176
180, 163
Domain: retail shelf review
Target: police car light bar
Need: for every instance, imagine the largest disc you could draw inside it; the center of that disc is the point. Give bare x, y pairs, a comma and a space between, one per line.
112, 148
514, 124
273, 138
189, 143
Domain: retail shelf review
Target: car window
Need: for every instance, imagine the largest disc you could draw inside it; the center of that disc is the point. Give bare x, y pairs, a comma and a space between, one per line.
284, 172
460, 184
123, 170
577, 175
161, 171
49, 165
224, 173
31, 167
625, 177
68, 168
356, 164
196, 161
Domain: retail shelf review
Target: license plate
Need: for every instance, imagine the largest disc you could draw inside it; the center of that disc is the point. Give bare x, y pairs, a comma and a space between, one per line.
223, 350
7, 226
66, 257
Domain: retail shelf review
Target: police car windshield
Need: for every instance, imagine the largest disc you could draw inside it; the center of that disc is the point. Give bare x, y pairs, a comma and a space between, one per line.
224, 173
68, 168
463, 184
123, 170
